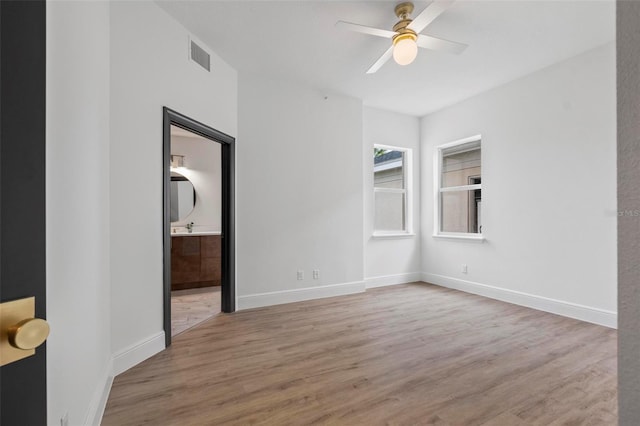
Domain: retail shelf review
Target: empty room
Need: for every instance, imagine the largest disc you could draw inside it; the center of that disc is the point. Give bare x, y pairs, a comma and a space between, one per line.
320, 212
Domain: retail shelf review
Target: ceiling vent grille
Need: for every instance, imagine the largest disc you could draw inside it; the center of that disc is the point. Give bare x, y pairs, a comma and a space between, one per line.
200, 56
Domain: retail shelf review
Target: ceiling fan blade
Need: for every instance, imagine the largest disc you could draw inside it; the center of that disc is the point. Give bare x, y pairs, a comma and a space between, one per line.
439, 44
430, 13
380, 62
364, 29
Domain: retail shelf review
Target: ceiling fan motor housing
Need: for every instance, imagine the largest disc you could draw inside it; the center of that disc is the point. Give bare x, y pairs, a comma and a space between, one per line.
402, 32
403, 10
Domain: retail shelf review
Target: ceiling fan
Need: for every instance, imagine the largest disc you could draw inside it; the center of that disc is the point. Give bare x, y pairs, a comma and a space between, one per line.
406, 37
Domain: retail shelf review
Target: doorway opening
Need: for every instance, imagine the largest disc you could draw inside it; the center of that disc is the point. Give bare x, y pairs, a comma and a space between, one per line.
198, 223
196, 199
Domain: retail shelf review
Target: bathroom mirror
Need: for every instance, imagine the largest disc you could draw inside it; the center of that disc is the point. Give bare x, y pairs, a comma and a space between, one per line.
183, 197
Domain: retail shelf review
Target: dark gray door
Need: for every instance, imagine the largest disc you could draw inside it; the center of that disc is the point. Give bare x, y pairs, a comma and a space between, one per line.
23, 397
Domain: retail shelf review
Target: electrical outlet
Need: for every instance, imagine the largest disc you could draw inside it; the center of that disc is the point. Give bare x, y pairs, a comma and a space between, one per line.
464, 269
300, 275
64, 420
316, 274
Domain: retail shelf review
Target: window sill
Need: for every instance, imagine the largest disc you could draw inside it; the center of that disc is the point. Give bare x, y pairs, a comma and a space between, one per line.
382, 235
461, 237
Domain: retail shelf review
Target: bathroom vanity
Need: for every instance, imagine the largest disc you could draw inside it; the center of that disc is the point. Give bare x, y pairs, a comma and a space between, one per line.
195, 260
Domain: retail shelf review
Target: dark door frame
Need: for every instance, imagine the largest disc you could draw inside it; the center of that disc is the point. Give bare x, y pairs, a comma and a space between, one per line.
23, 383
228, 296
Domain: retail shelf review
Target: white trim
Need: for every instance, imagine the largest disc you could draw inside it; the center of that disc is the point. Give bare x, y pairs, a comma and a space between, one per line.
554, 306
460, 236
461, 188
437, 160
390, 147
383, 235
460, 142
391, 190
298, 295
386, 280
100, 396
388, 165
138, 352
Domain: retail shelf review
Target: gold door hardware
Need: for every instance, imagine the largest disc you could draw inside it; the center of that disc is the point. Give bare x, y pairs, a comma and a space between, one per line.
20, 332
28, 334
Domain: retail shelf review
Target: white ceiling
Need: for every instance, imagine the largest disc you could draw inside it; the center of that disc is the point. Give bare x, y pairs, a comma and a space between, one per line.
177, 131
298, 41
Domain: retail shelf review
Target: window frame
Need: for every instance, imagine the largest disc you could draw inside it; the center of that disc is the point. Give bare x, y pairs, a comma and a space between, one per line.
438, 190
407, 171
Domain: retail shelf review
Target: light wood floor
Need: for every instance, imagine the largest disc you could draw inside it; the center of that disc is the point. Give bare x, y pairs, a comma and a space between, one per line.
191, 307
413, 354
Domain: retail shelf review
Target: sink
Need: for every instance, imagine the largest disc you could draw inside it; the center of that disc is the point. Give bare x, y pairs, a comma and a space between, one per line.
181, 231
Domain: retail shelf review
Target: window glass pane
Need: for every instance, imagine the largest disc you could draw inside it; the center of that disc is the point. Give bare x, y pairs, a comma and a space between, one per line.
460, 168
388, 169
461, 211
389, 211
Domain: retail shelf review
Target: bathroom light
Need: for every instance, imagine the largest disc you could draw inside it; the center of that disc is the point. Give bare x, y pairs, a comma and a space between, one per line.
405, 48
177, 161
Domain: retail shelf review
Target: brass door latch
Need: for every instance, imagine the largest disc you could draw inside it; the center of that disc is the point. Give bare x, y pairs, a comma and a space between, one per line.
20, 332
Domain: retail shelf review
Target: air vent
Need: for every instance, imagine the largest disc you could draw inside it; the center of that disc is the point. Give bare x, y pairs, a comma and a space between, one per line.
200, 56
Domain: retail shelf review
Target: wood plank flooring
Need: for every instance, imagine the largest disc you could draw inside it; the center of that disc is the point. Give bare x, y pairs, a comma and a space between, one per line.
412, 354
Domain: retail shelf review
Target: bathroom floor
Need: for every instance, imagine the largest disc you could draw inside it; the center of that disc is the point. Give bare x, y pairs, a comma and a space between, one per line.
192, 306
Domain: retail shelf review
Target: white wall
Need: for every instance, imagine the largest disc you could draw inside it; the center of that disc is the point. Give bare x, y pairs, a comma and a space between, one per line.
628, 60
390, 260
78, 296
549, 178
299, 192
203, 168
150, 69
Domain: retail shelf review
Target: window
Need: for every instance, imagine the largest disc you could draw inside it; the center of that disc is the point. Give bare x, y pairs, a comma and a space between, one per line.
391, 191
459, 189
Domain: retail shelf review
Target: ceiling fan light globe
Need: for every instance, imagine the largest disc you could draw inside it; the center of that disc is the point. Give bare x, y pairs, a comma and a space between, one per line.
405, 51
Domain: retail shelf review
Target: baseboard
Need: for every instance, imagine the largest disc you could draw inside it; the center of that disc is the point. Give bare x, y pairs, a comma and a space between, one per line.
567, 309
100, 397
298, 295
385, 280
138, 352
